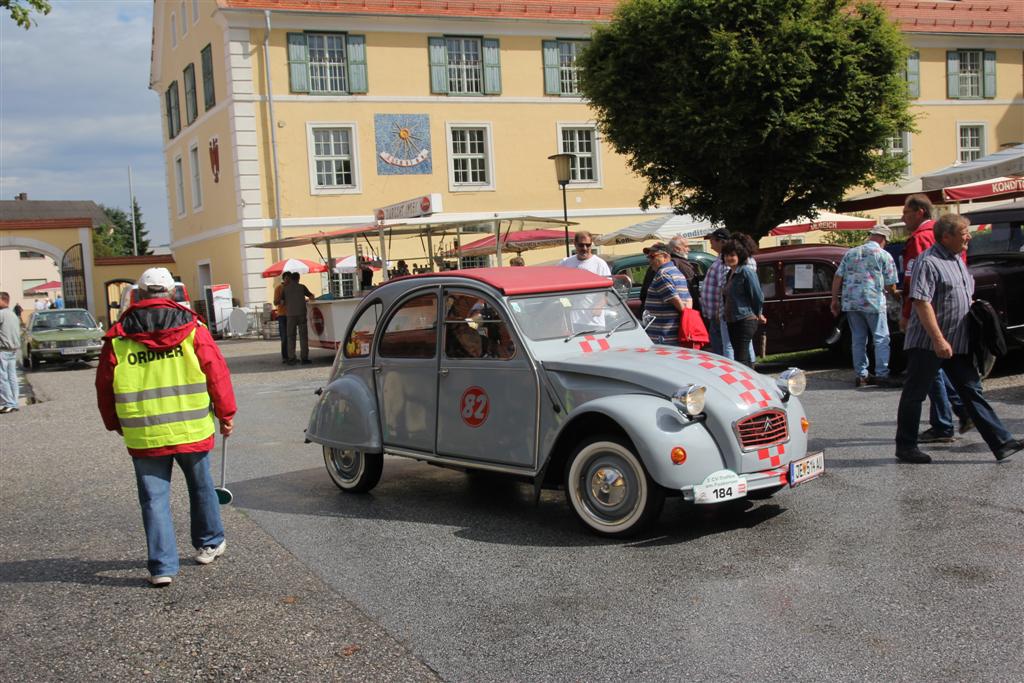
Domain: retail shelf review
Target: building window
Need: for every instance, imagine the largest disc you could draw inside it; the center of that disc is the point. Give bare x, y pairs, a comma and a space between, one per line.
970, 142
197, 180
970, 74
328, 63
914, 75
790, 240
191, 106
333, 154
195, 11
173, 110
184, 20
899, 146
470, 160
29, 283
30, 255
208, 93
462, 65
179, 185
561, 73
174, 30
581, 142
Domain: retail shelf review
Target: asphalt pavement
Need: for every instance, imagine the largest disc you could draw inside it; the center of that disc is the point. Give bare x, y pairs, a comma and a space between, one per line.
877, 571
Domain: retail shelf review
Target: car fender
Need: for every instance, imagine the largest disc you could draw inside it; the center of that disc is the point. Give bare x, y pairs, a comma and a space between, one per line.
345, 416
655, 427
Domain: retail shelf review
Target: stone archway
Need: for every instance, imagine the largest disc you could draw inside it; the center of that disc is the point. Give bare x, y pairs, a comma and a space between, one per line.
20, 242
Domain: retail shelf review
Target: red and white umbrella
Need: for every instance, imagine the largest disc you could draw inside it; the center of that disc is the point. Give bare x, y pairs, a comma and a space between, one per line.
825, 220
51, 286
348, 265
294, 265
519, 241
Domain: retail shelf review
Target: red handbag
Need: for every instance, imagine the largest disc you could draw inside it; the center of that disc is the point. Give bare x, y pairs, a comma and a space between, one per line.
692, 333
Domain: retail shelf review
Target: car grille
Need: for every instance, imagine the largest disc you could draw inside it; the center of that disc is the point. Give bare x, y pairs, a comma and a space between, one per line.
763, 429
72, 343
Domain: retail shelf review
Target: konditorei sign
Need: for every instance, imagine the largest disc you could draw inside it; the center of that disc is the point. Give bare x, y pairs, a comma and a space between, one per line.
410, 208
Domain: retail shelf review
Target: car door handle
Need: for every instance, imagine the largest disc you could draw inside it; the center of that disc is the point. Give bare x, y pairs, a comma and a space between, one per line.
443, 372
376, 368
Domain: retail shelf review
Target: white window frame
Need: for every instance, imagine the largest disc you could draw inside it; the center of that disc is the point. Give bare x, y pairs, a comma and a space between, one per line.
184, 19
960, 125
489, 186
179, 184
905, 138
465, 74
791, 240
195, 11
174, 30
357, 184
598, 181
341, 67
960, 74
195, 176
570, 72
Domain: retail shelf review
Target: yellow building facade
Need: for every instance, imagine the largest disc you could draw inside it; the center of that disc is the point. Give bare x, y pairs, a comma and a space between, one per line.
291, 116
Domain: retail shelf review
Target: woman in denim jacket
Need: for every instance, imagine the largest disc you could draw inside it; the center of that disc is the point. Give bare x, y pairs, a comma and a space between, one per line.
744, 300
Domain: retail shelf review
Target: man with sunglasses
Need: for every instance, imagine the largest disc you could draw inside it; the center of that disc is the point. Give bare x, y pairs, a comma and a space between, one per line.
584, 257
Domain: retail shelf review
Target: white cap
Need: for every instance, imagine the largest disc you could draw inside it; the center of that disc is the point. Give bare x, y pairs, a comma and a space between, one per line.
156, 280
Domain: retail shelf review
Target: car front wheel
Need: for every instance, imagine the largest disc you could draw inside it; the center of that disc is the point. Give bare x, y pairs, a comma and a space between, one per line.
353, 471
609, 489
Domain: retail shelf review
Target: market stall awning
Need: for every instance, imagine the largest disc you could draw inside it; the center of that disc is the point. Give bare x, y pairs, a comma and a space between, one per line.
517, 242
1006, 186
661, 228
294, 265
888, 195
51, 286
825, 220
311, 237
1005, 162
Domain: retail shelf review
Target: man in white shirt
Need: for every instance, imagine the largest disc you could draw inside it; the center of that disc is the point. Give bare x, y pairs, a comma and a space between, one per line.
592, 315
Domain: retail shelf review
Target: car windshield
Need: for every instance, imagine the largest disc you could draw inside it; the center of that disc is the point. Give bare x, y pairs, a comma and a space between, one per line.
557, 316
59, 320
1000, 239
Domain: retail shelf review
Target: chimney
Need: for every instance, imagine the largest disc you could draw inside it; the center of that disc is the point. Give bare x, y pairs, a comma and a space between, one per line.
21, 196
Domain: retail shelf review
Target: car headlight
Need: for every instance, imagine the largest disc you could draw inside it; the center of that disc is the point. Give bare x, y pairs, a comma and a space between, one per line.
47, 345
690, 399
793, 381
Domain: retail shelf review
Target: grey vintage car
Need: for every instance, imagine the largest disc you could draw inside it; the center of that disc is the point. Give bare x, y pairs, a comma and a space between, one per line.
545, 375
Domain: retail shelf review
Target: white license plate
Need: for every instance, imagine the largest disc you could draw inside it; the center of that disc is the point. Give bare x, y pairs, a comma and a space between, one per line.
707, 494
73, 351
807, 468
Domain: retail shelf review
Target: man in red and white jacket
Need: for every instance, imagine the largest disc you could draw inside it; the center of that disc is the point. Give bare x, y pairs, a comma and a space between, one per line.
159, 374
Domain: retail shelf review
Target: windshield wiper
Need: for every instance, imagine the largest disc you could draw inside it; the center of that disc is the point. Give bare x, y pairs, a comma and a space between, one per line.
580, 334
616, 328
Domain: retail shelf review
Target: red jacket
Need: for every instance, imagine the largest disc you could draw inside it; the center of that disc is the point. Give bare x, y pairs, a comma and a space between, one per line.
162, 324
919, 241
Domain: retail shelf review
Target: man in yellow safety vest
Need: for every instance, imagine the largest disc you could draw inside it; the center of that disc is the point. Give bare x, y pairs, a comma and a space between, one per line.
161, 381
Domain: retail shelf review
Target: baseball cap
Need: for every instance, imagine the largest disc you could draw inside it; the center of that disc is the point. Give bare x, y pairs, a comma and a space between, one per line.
657, 246
156, 280
719, 234
882, 230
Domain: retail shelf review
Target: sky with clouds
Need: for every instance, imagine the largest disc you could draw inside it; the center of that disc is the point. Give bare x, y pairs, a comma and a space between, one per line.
76, 109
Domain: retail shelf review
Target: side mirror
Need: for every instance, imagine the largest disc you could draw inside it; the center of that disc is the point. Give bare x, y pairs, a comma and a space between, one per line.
622, 283
647, 319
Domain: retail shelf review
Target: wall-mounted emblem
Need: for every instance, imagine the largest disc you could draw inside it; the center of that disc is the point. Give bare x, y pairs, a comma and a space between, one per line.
215, 158
403, 144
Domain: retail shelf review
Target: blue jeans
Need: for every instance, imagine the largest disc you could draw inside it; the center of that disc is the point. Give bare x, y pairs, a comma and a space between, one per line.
9, 390
945, 402
153, 477
282, 332
861, 325
922, 368
714, 336
727, 343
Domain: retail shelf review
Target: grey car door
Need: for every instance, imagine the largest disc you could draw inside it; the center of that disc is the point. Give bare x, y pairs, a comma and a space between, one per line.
487, 392
406, 368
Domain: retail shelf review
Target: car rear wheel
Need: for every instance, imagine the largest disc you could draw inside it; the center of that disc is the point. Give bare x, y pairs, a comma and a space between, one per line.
609, 489
353, 471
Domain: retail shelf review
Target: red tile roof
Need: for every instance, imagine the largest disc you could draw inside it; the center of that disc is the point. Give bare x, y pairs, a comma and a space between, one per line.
938, 16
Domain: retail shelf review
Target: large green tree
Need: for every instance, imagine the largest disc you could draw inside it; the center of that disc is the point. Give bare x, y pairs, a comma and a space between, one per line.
749, 112
21, 10
115, 238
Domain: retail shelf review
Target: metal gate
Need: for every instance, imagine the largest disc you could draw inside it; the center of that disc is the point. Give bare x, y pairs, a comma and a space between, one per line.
72, 275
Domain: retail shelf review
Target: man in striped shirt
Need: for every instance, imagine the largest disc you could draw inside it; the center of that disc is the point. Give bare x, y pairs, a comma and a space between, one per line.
711, 295
938, 338
667, 296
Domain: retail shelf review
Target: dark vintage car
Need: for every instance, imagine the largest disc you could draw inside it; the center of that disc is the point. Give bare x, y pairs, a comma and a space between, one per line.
995, 258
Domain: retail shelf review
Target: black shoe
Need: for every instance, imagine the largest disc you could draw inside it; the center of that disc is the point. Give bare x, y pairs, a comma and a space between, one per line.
1009, 448
293, 361
932, 436
284, 361
966, 424
888, 382
861, 382
5, 410
914, 455
307, 362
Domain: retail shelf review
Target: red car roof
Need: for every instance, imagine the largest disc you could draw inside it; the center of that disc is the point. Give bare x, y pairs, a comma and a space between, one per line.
513, 281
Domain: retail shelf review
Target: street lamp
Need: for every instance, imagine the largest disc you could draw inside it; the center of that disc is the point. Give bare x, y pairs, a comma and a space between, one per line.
563, 171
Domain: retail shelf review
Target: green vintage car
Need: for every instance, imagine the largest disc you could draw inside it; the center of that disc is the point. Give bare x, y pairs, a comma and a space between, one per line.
59, 336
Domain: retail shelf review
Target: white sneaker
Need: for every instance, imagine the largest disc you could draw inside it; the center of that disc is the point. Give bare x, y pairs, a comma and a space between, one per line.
208, 555
161, 581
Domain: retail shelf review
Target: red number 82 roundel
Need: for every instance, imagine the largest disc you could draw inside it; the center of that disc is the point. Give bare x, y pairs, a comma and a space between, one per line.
474, 406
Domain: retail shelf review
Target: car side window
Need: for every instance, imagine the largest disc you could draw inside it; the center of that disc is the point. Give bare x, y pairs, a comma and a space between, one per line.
357, 345
808, 278
473, 328
412, 330
766, 275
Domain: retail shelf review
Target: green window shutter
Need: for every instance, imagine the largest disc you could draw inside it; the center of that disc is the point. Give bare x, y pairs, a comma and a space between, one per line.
191, 103
209, 99
492, 66
355, 49
438, 65
298, 63
989, 90
953, 75
914, 75
552, 80
167, 109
